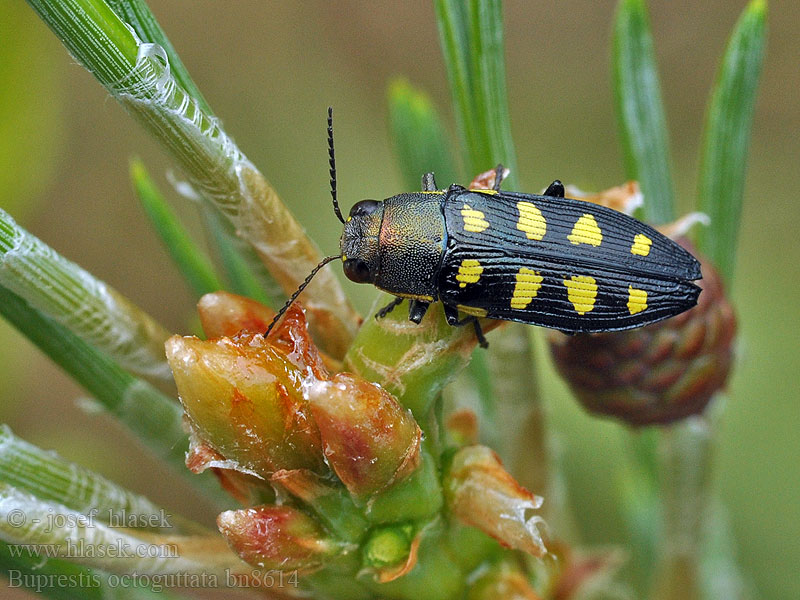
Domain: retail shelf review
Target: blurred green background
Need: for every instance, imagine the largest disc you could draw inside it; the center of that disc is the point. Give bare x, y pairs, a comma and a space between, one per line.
270, 69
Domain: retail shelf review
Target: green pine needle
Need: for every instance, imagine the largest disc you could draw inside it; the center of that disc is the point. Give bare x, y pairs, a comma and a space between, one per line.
418, 135
192, 262
471, 36
640, 111
51, 478
85, 305
727, 137
246, 274
137, 14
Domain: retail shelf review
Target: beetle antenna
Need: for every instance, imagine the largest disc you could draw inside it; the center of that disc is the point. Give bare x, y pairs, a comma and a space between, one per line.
332, 163
294, 296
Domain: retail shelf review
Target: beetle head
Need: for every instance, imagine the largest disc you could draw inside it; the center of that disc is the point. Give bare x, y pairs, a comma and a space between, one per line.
359, 243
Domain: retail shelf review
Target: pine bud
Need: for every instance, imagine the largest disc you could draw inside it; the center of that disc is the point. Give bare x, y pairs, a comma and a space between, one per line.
577, 573
243, 397
225, 314
369, 440
330, 503
228, 315
502, 581
248, 489
276, 537
481, 493
391, 552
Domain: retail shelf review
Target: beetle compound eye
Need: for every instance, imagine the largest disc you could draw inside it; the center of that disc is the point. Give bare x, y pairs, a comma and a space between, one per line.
357, 270
365, 207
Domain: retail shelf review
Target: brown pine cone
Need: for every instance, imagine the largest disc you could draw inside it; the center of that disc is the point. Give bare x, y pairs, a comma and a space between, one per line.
659, 373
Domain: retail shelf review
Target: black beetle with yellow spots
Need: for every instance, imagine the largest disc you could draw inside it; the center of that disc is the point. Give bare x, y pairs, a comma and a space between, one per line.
539, 259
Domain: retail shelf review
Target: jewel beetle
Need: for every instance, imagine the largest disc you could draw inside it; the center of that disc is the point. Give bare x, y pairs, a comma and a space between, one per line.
541, 259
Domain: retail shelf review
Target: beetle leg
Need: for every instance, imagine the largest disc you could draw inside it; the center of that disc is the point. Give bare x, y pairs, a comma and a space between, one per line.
428, 183
555, 190
417, 310
479, 333
388, 308
451, 314
499, 175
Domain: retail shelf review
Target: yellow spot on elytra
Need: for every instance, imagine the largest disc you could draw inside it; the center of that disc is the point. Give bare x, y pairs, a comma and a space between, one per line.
526, 288
637, 300
586, 231
581, 291
641, 245
469, 272
472, 310
474, 220
531, 221
349, 219
483, 191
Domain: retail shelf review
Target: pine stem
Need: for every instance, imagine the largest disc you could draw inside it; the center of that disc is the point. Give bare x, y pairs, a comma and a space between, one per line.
685, 478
